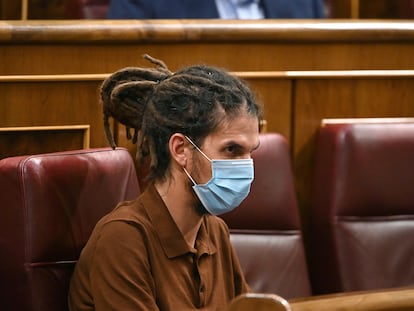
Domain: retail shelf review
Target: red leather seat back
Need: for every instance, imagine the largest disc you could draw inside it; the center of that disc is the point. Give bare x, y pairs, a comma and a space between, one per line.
49, 206
363, 207
265, 229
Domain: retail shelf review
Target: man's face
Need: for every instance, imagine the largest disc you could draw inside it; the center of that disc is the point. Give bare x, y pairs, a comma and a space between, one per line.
234, 139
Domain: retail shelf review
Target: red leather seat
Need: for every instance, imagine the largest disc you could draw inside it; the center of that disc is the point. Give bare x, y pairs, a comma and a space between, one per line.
266, 230
49, 206
362, 214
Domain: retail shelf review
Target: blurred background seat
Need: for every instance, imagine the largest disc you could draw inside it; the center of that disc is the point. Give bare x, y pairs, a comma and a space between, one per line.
362, 213
49, 206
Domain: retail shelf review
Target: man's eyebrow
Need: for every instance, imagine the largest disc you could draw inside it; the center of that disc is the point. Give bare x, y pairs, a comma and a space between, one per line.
238, 145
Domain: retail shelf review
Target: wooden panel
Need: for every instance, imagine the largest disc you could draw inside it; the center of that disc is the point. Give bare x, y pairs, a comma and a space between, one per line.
374, 9
10, 9
103, 58
46, 9
46, 103
339, 8
16, 141
275, 94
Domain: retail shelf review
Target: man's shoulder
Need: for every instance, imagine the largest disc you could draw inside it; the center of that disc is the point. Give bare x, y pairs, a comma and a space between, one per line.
216, 223
126, 211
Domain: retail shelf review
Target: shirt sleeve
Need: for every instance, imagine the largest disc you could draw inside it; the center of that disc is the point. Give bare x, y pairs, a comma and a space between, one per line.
120, 275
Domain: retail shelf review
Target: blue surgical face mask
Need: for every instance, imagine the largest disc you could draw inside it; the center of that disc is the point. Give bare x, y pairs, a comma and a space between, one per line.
228, 186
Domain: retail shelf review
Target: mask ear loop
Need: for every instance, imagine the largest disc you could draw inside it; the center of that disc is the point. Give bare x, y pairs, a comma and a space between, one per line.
198, 149
191, 178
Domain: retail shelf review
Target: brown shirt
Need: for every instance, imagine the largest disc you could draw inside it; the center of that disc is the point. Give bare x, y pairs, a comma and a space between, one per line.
137, 259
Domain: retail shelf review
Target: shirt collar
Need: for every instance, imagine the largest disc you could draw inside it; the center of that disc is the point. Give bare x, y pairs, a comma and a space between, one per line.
171, 239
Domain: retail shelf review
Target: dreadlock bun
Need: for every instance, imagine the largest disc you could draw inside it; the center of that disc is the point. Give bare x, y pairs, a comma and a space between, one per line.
125, 94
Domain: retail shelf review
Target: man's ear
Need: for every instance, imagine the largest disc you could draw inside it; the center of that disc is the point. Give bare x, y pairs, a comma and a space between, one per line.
178, 148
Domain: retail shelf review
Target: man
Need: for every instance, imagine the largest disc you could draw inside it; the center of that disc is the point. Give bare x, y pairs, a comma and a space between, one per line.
227, 9
167, 250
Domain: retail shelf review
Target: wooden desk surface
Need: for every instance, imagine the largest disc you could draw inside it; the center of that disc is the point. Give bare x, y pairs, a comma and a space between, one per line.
100, 46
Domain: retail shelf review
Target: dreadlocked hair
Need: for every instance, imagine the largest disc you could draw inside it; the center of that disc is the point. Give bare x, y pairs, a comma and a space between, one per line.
156, 104
124, 95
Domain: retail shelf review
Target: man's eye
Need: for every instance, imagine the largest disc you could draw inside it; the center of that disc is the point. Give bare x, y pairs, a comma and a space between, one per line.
228, 151
234, 150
